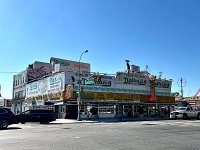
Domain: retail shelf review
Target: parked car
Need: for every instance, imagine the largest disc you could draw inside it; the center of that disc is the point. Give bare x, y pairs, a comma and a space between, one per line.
185, 112
7, 117
36, 115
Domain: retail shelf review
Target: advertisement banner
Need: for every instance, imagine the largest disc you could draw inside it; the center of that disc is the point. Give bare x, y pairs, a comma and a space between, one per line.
69, 92
110, 96
53, 84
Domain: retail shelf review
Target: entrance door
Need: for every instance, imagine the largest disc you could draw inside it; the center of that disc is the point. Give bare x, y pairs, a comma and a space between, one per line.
71, 111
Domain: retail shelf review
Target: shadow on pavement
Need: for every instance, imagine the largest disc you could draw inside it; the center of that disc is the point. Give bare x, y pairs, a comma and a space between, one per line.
55, 123
11, 128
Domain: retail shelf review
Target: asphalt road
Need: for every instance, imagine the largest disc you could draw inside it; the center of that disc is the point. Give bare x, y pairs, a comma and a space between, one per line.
142, 135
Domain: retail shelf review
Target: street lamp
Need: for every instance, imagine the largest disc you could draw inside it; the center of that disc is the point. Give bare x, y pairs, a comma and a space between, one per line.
79, 87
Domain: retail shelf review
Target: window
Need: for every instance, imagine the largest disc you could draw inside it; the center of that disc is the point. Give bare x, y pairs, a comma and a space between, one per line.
188, 109
27, 112
106, 109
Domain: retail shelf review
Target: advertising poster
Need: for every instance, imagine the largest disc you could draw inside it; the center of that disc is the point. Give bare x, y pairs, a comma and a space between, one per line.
53, 84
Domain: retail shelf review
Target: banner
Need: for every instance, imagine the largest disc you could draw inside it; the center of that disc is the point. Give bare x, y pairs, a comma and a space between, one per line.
110, 96
52, 84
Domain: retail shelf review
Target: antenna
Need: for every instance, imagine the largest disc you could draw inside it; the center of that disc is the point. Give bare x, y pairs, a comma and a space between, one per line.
147, 70
181, 83
160, 74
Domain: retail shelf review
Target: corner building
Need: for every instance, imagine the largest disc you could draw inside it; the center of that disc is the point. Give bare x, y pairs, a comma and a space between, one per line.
120, 95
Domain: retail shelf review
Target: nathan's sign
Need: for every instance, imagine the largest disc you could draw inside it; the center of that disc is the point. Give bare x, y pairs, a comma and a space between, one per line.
132, 78
100, 80
89, 79
135, 81
162, 84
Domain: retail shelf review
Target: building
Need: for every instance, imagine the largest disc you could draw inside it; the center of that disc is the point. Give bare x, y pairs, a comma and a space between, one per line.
5, 102
32, 72
39, 70
123, 94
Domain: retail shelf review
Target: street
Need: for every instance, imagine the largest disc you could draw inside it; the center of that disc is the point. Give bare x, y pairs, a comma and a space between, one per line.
137, 135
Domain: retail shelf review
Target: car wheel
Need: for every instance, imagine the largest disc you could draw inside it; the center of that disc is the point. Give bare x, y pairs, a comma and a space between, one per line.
47, 122
184, 116
198, 116
3, 124
23, 122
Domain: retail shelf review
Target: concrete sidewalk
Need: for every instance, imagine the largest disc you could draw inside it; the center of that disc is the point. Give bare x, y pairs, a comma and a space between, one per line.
70, 121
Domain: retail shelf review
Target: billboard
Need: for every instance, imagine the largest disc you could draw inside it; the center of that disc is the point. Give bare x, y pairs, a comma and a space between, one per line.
68, 65
36, 73
52, 84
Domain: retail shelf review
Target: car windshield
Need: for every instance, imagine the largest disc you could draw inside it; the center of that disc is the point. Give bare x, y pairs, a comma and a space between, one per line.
181, 108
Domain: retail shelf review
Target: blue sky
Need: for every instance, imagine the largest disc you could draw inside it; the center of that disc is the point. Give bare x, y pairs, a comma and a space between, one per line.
163, 34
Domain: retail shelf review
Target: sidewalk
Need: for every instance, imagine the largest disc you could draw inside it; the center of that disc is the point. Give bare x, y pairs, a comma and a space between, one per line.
69, 121
117, 119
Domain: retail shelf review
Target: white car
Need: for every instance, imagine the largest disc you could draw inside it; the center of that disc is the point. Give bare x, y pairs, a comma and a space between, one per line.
184, 113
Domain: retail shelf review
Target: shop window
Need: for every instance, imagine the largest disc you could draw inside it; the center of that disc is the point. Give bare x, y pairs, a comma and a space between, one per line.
106, 109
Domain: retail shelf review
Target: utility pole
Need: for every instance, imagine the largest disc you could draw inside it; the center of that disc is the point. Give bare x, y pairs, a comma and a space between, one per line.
181, 83
79, 87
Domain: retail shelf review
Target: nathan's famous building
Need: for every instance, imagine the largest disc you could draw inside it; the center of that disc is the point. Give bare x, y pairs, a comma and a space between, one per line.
128, 94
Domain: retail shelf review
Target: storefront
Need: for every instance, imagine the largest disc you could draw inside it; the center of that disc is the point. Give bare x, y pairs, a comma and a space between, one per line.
102, 96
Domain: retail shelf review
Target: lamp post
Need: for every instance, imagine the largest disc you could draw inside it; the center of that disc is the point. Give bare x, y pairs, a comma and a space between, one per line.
79, 86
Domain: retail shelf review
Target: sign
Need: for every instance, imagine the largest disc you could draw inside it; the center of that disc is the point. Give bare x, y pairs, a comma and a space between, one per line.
132, 78
100, 80
38, 72
46, 97
69, 92
90, 79
110, 96
163, 87
68, 65
52, 84
56, 68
